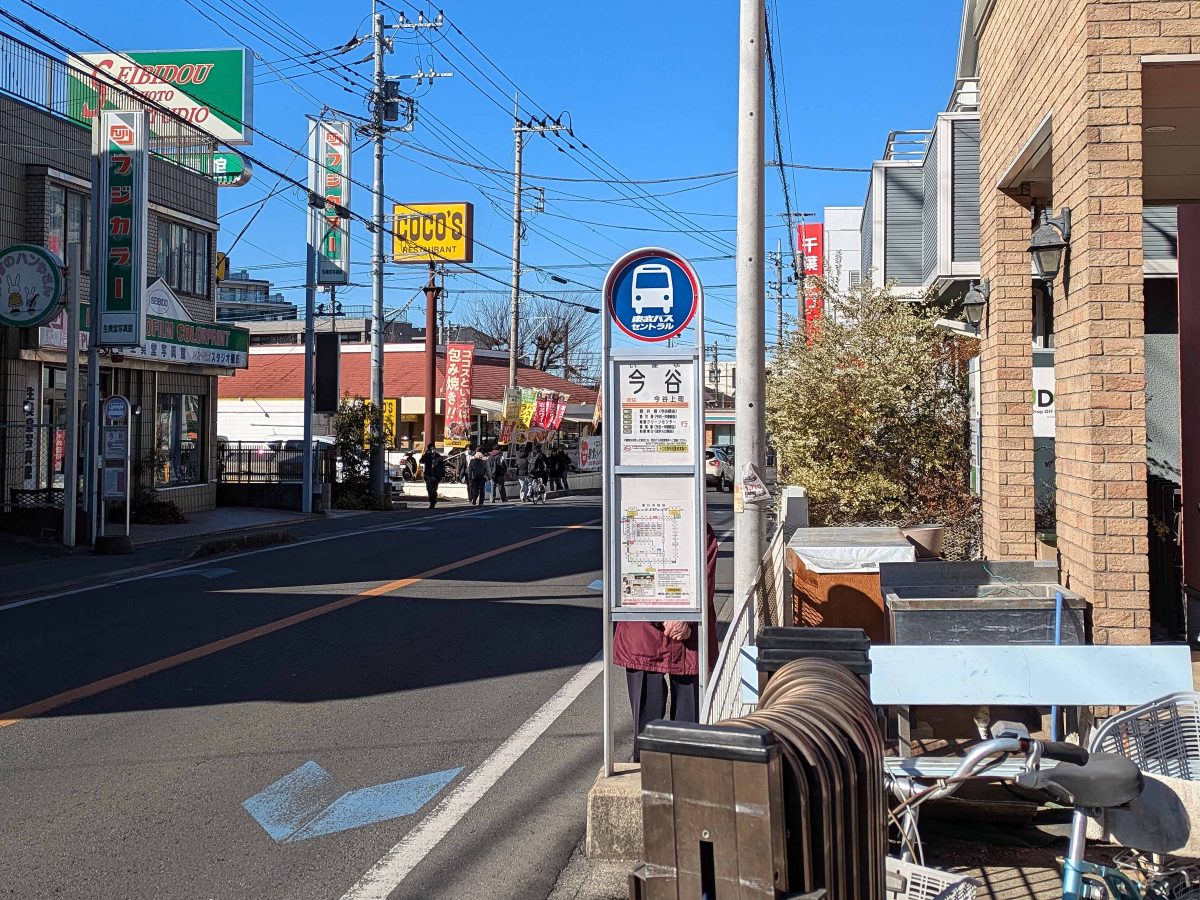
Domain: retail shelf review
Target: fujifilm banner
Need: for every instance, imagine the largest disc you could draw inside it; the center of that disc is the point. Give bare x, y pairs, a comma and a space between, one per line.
329, 179
119, 278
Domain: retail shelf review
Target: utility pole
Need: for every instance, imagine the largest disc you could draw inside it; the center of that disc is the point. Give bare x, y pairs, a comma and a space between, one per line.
750, 425
384, 107
443, 337
378, 457
566, 350
520, 129
779, 295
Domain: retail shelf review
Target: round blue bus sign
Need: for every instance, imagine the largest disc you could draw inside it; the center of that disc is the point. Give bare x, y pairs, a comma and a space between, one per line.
652, 294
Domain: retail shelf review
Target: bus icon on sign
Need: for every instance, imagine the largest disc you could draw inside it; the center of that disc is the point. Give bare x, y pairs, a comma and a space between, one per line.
652, 288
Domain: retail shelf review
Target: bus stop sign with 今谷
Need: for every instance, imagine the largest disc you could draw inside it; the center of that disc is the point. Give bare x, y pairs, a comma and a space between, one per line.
652, 294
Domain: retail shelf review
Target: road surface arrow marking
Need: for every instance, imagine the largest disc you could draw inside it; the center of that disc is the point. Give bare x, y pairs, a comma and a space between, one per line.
297, 806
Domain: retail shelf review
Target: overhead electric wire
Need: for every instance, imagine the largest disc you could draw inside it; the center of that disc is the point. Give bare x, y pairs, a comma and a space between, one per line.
170, 115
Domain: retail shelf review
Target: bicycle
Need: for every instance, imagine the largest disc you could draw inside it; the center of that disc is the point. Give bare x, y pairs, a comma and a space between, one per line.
1089, 782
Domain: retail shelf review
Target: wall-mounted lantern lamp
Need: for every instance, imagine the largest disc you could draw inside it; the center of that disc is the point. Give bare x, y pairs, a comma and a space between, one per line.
1049, 242
975, 302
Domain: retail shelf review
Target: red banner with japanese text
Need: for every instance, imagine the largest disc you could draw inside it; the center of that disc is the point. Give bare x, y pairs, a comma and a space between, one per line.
811, 244
542, 410
460, 361
560, 410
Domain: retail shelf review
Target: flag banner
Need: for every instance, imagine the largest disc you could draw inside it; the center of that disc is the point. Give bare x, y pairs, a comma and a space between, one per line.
542, 411
560, 410
597, 413
512, 404
528, 401
460, 360
506, 432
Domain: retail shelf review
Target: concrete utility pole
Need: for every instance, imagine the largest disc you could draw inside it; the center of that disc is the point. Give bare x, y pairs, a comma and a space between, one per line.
750, 425
779, 294
520, 129
71, 461
377, 325
310, 304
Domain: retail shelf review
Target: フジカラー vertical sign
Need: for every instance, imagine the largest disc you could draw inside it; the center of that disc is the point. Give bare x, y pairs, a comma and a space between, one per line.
329, 179
460, 361
119, 150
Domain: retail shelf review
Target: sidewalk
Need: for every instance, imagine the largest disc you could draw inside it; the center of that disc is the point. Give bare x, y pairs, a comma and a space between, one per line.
30, 567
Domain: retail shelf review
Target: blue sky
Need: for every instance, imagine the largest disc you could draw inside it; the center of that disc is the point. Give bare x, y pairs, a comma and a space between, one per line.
651, 88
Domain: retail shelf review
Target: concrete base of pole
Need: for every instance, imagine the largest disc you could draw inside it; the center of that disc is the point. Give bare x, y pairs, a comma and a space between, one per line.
114, 545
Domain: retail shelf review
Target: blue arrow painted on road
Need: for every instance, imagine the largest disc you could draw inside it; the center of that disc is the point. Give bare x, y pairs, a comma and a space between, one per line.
297, 807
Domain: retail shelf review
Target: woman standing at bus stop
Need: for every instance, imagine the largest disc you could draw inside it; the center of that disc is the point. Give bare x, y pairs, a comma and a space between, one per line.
653, 652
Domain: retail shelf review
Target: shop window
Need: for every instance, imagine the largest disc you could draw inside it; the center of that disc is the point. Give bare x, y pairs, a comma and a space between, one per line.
180, 439
183, 258
67, 224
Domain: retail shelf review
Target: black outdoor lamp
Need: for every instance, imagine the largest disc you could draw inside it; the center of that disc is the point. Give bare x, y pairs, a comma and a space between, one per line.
975, 301
1049, 241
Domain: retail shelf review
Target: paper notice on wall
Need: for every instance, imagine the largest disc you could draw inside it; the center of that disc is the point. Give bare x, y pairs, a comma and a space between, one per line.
658, 544
753, 487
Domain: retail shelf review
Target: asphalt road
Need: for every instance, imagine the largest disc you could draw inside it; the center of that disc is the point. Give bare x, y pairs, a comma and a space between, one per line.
144, 726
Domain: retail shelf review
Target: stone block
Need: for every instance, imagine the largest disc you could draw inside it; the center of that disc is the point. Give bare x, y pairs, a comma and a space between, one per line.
614, 815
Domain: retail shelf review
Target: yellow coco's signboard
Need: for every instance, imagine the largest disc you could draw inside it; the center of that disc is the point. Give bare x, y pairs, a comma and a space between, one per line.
432, 232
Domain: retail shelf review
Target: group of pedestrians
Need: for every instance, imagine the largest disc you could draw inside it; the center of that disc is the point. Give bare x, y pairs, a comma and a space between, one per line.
537, 473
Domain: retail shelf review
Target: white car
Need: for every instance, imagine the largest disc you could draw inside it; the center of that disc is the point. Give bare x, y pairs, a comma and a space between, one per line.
718, 468
652, 288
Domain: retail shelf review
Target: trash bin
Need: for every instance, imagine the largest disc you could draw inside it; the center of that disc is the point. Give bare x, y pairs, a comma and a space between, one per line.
835, 576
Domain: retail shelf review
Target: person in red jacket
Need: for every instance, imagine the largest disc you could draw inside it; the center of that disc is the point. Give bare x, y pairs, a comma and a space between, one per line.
653, 652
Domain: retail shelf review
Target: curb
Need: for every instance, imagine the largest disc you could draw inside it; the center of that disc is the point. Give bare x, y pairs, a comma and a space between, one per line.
251, 541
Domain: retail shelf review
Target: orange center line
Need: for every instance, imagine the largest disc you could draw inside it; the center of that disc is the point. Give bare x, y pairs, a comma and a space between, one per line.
104, 684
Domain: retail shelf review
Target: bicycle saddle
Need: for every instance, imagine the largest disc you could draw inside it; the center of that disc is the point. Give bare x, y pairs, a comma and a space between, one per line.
1107, 780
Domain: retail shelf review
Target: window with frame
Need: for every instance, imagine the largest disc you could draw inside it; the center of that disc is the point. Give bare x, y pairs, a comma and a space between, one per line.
68, 224
183, 257
179, 434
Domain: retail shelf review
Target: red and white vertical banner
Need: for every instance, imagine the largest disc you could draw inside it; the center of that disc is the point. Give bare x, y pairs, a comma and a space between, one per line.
329, 179
543, 410
122, 198
460, 363
811, 247
560, 410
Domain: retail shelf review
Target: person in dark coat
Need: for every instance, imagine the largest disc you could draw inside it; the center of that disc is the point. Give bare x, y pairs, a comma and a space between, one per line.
434, 468
653, 652
477, 475
539, 471
498, 472
562, 468
523, 470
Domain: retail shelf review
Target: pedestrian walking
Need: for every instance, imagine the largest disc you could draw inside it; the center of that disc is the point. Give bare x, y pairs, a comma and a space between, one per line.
654, 653
539, 471
563, 467
434, 468
477, 475
498, 473
523, 471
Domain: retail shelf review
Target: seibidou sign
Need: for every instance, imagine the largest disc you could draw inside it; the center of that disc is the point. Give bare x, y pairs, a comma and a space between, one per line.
432, 232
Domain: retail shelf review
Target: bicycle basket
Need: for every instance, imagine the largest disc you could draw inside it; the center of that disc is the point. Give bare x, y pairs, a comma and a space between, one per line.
1162, 737
908, 881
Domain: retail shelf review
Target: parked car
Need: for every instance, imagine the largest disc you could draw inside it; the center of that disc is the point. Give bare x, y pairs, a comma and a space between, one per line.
718, 468
289, 456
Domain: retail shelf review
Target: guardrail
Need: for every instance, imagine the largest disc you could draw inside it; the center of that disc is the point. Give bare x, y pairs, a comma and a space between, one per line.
273, 462
767, 603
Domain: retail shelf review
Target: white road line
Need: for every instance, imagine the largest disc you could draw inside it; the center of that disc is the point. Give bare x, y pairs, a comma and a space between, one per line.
208, 562
726, 536
387, 874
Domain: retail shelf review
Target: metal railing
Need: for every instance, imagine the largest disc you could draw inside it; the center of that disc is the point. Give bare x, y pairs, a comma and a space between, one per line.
907, 144
273, 462
70, 90
767, 603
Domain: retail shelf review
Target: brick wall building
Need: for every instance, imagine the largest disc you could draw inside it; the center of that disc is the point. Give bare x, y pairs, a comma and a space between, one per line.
1061, 125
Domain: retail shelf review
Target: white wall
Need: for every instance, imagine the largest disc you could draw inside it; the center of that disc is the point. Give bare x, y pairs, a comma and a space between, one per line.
265, 420
842, 241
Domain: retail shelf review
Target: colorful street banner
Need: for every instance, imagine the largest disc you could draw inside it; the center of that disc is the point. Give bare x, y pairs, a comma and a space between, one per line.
542, 412
598, 412
460, 359
512, 404
560, 410
528, 402
506, 432
212, 90
329, 179
119, 156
